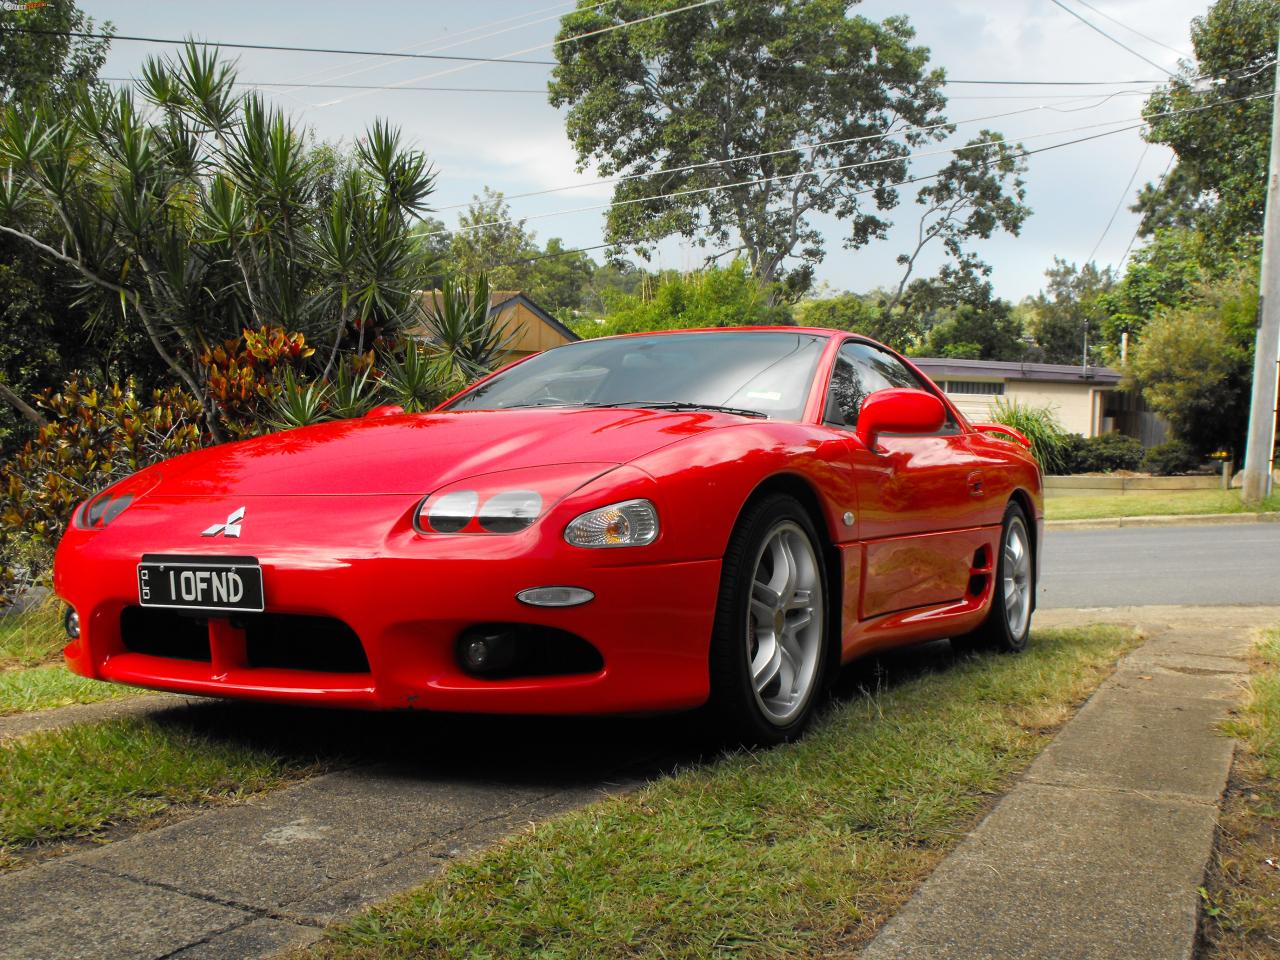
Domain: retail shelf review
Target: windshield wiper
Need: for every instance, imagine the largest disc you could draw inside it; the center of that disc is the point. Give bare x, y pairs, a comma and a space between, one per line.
684, 405
643, 405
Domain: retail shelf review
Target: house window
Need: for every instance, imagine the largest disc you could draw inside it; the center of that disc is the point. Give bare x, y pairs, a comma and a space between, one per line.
974, 388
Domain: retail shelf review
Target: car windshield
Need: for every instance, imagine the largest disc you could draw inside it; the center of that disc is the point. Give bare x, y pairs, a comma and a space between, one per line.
754, 373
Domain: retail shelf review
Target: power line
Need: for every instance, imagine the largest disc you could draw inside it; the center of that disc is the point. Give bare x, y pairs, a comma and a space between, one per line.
1123, 196
1138, 229
1119, 43
1133, 30
1142, 121
467, 36
901, 183
268, 46
542, 46
356, 86
810, 147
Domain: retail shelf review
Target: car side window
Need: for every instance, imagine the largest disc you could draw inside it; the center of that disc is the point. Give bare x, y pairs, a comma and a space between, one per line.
860, 371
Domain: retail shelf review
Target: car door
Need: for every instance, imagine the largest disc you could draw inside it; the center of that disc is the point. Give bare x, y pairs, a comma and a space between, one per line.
918, 497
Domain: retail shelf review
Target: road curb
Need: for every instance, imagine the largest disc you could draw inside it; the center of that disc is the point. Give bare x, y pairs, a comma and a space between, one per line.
1162, 520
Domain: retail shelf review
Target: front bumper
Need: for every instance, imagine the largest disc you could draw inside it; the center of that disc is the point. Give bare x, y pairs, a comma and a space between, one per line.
408, 599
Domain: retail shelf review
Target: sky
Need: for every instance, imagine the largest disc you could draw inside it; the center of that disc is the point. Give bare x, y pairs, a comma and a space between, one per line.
515, 141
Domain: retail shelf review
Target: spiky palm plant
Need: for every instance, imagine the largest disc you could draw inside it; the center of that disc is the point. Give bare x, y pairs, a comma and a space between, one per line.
462, 328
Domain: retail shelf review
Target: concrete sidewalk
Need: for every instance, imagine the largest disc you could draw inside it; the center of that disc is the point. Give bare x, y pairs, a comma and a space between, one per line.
1100, 848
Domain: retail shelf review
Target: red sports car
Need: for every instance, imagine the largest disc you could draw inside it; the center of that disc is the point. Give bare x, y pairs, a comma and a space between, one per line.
632, 524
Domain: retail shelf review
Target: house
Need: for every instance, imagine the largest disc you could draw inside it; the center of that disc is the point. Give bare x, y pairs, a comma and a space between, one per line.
532, 329
1088, 401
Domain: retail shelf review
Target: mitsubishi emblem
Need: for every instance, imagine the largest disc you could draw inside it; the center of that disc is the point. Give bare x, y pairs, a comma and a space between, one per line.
230, 529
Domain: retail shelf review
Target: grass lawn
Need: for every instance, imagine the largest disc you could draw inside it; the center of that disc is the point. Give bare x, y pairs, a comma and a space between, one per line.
77, 782
1241, 902
32, 676
782, 853
1182, 503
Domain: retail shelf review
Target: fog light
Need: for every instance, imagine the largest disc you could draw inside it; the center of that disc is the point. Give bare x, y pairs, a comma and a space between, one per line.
555, 596
486, 650
71, 620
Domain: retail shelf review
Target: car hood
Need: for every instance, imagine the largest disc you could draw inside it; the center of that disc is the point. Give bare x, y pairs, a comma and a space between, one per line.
418, 453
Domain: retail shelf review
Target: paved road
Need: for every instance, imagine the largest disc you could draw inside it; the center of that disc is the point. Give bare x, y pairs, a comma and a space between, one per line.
1141, 566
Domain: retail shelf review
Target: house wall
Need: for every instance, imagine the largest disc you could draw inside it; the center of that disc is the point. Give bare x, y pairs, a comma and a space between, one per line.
1075, 405
531, 334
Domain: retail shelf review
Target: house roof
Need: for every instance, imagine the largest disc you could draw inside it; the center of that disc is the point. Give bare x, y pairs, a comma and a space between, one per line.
939, 368
500, 300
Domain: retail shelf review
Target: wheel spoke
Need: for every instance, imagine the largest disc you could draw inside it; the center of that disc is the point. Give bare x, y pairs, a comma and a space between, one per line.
767, 663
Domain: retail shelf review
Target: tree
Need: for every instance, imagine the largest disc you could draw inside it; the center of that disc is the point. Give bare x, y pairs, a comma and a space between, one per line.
206, 213
687, 105
53, 62
560, 280
1057, 316
1222, 154
849, 311
44, 333
979, 191
972, 331
1193, 364
490, 241
714, 297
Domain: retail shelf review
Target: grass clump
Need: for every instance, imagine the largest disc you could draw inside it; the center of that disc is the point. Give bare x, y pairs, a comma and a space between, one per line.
1241, 900
79, 781
780, 853
31, 638
53, 685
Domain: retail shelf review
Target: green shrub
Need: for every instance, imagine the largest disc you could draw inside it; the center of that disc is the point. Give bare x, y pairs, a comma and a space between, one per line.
1040, 426
1102, 454
93, 437
1173, 457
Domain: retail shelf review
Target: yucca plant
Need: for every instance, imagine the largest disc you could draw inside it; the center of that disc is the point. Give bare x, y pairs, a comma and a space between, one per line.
351, 393
418, 377
301, 404
463, 330
1040, 426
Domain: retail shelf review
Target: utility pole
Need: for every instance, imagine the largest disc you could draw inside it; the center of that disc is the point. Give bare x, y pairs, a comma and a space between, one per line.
1261, 441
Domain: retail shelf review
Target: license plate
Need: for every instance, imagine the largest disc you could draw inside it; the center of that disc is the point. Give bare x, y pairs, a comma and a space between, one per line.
201, 583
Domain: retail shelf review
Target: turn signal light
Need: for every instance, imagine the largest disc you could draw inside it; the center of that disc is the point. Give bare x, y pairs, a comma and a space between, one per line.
632, 523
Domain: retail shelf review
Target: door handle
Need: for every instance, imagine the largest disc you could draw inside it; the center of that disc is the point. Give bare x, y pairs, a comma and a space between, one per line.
975, 484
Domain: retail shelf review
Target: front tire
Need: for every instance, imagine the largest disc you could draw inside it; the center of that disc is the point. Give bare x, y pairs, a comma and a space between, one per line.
769, 645
1008, 623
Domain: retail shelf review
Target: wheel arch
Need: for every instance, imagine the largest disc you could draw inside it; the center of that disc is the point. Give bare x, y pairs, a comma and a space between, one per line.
807, 495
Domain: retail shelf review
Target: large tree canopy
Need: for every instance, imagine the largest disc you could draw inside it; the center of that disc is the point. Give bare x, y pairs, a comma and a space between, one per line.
686, 105
1221, 174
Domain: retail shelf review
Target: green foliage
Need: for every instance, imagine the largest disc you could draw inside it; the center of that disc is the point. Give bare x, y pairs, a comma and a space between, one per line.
193, 212
715, 297
1222, 154
462, 328
418, 378
971, 332
1056, 317
849, 311
53, 62
94, 437
1171, 458
1039, 425
490, 241
682, 97
1193, 365
1105, 453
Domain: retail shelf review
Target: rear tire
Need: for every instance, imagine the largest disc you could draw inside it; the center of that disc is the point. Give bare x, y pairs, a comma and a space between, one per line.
1008, 622
769, 644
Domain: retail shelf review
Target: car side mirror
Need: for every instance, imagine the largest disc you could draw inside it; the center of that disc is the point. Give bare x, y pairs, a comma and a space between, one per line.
386, 410
899, 410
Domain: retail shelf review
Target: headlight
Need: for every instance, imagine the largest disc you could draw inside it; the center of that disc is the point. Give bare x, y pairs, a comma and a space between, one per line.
502, 503
632, 523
